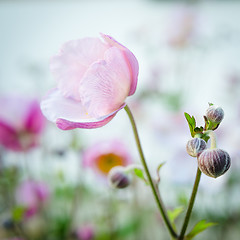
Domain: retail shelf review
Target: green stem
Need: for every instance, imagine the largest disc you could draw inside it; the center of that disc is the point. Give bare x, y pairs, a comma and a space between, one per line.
156, 195
190, 205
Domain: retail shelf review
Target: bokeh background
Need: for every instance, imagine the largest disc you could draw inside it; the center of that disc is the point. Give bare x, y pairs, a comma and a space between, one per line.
188, 53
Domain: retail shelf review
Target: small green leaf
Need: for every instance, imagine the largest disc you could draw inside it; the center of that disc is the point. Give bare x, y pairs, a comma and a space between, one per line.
173, 214
198, 130
139, 173
18, 213
199, 227
191, 123
160, 166
158, 171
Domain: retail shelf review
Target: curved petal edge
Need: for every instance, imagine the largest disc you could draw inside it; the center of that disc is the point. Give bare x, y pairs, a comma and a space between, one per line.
64, 124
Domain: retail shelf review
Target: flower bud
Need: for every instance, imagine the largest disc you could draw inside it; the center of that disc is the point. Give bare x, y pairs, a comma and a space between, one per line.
118, 178
215, 114
214, 162
195, 146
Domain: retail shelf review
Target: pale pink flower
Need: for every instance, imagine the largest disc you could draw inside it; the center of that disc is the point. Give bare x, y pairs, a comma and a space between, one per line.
85, 232
182, 26
103, 156
94, 78
31, 195
21, 122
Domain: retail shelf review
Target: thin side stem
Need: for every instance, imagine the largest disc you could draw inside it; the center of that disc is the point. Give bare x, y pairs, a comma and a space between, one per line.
190, 204
156, 195
212, 136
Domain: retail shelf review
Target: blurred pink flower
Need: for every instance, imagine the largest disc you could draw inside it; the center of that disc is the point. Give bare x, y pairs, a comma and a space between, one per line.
182, 26
21, 122
31, 195
103, 156
85, 233
94, 78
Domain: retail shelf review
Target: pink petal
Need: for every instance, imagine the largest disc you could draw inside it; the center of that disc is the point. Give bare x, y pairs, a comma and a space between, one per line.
92, 123
106, 84
134, 71
9, 137
55, 106
70, 65
35, 121
69, 114
14, 110
130, 58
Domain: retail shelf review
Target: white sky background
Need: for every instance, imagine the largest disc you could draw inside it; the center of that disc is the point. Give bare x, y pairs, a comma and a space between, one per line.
32, 31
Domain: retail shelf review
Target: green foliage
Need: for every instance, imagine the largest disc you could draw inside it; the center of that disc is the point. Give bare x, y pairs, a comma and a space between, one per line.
18, 213
199, 227
173, 214
160, 166
197, 130
140, 174
191, 123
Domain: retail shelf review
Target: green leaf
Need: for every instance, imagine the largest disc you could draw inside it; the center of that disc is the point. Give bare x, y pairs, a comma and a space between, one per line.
18, 213
160, 166
198, 130
173, 214
199, 227
191, 123
158, 171
139, 173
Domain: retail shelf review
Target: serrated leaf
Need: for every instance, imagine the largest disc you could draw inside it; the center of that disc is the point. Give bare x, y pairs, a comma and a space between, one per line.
199, 227
173, 214
139, 173
191, 123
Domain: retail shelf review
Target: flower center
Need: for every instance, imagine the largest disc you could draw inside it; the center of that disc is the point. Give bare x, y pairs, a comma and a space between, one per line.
105, 162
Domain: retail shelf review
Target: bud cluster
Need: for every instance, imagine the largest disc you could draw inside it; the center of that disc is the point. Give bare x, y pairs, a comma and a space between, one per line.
213, 162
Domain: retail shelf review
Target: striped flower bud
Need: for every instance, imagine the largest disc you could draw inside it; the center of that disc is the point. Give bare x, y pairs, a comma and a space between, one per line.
118, 178
215, 114
195, 146
214, 162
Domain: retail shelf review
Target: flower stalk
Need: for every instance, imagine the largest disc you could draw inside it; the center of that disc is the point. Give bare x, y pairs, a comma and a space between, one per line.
190, 204
212, 136
153, 187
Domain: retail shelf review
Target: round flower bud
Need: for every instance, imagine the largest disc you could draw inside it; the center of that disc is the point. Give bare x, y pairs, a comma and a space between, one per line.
215, 114
214, 162
118, 178
195, 146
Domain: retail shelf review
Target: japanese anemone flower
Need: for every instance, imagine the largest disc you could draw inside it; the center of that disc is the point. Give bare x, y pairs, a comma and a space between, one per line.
94, 78
103, 156
31, 195
21, 122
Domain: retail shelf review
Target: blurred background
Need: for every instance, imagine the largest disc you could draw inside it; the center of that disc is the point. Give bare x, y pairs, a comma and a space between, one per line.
188, 53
